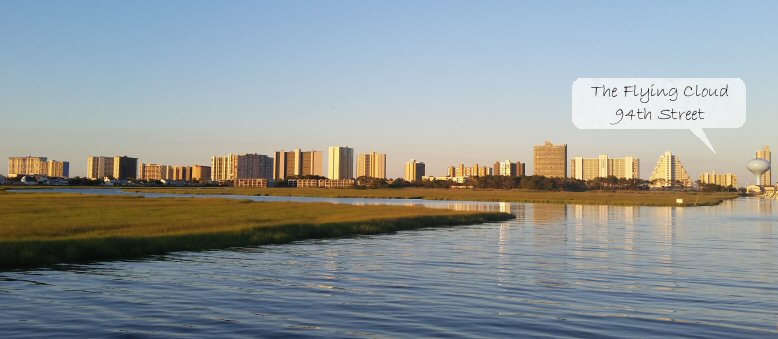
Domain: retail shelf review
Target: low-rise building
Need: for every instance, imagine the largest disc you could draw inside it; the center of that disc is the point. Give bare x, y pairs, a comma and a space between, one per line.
456, 179
253, 182
321, 183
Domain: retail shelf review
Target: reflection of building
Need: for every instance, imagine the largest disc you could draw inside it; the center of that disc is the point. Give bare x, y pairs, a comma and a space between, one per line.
603, 167
551, 160
669, 171
721, 179
414, 170
549, 213
20, 166
297, 163
371, 165
508, 168
766, 179
241, 166
341, 162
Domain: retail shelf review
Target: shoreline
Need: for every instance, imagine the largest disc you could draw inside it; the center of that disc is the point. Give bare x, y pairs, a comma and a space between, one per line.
614, 198
72, 229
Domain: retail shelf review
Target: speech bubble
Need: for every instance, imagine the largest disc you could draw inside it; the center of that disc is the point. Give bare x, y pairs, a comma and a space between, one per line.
660, 103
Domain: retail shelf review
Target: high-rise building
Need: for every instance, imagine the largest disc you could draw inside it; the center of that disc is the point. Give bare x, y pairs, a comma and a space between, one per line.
125, 167
603, 167
98, 167
118, 167
766, 178
508, 168
241, 166
721, 179
341, 162
414, 170
153, 172
19, 166
668, 171
371, 165
58, 168
297, 163
551, 160
312, 163
180, 173
201, 173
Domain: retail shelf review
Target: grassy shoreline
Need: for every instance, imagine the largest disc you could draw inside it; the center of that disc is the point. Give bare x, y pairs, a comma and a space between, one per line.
619, 198
39, 229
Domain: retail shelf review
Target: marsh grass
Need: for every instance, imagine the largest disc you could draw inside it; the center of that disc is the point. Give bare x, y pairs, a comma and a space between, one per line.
620, 198
47, 228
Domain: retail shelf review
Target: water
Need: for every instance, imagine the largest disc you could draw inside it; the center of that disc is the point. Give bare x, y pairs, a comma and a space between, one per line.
555, 271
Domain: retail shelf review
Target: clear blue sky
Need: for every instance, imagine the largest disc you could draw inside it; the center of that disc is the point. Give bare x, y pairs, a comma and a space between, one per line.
443, 82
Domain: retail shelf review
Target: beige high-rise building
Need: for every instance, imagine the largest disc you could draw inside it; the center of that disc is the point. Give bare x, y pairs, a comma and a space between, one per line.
603, 167
118, 167
180, 173
668, 171
508, 168
56, 168
201, 173
241, 166
297, 163
371, 165
766, 179
414, 170
551, 160
721, 179
98, 167
154, 172
19, 166
341, 162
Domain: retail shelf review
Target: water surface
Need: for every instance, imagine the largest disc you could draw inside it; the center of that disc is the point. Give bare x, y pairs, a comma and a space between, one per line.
556, 270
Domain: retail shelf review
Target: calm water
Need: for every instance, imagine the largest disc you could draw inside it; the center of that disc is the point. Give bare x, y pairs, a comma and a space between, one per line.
555, 271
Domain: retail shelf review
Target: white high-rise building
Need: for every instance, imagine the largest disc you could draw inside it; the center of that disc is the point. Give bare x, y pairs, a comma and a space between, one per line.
668, 171
341, 162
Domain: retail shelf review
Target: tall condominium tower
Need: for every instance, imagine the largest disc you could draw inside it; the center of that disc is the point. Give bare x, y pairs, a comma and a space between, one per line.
125, 167
414, 170
241, 166
551, 160
98, 167
297, 163
19, 166
371, 165
603, 167
508, 168
668, 171
341, 162
766, 179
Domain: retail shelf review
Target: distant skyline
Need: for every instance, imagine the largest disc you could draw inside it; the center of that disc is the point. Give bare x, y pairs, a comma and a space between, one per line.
177, 82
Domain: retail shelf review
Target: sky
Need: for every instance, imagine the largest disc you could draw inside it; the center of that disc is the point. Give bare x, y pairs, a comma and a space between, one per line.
443, 82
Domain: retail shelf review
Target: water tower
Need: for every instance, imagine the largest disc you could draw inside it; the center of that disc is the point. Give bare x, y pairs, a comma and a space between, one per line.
758, 166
